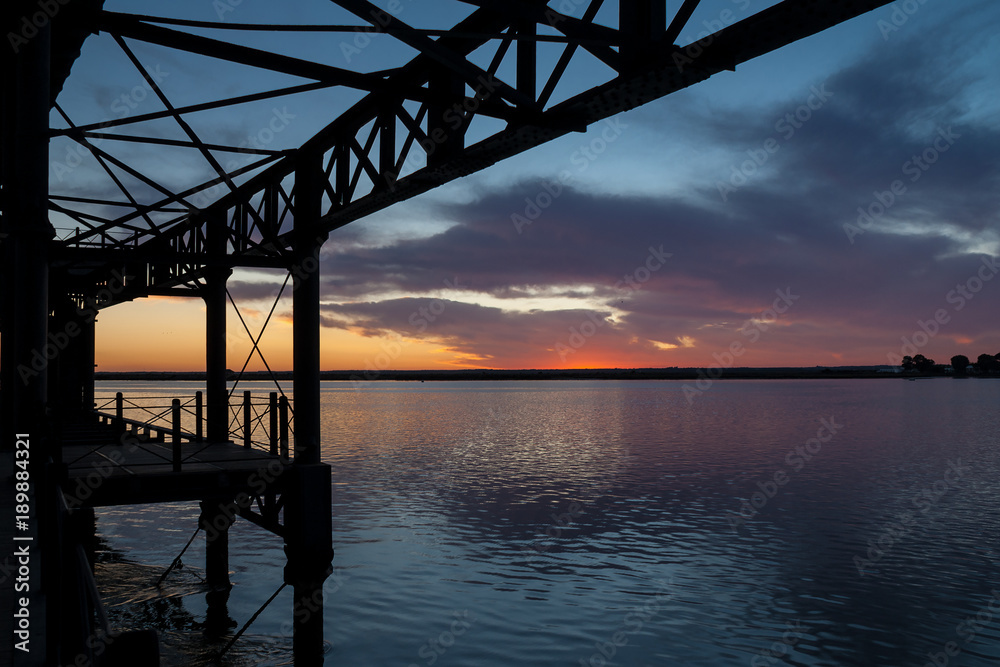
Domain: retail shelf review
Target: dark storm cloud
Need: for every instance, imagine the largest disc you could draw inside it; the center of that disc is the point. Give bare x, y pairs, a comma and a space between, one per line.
879, 114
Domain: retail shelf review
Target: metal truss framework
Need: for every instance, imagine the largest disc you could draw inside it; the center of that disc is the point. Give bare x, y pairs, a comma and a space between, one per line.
406, 136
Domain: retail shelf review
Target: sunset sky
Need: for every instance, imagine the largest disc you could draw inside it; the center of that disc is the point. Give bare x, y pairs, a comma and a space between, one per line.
811, 208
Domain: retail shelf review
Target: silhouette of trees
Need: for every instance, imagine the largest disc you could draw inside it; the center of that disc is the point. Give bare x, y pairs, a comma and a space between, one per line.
986, 363
923, 364
960, 364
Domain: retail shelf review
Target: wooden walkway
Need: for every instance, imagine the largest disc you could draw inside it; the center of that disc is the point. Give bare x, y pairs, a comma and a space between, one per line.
103, 471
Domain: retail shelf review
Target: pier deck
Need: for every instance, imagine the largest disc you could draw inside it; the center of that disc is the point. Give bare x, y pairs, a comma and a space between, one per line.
102, 471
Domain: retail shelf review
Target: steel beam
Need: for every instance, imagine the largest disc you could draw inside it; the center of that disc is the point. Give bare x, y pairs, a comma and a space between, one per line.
126, 25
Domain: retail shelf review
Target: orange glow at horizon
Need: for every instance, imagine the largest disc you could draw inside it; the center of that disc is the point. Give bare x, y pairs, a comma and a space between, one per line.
168, 334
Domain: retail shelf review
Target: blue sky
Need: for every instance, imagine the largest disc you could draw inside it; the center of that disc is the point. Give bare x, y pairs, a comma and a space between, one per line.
747, 181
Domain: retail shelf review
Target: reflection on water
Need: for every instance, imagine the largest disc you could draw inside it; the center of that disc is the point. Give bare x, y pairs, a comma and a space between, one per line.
782, 522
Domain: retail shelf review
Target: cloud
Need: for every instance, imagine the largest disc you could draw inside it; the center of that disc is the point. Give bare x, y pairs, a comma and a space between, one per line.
905, 134
480, 335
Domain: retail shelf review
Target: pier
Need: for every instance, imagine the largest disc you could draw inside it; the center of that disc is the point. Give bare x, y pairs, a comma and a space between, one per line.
443, 114
112, 458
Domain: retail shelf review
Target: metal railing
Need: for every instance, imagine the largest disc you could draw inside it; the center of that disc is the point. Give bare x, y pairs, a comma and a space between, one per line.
264, 424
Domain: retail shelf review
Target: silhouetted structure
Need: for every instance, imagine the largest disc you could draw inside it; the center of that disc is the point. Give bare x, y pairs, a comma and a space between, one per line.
407, 135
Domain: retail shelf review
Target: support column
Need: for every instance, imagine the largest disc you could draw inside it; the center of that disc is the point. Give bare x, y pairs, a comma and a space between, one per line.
308, 532
309, 554
25, 110
68, 371
88, 356
25, 76
215, 520
216, 392
306, 243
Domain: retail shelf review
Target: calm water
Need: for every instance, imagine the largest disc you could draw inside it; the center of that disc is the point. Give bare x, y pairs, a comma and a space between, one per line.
555, 523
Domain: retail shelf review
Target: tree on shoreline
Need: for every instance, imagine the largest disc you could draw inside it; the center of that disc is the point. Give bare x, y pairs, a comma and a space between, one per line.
986, 363
960, 364
923, 364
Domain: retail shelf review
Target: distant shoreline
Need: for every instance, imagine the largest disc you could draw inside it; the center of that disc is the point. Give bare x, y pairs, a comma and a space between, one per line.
467, 375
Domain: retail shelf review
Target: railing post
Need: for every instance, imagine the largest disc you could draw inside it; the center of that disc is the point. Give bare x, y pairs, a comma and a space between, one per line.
199, 408
247, 413
176, 433
119, 411
283, 424
273, 414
